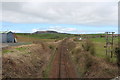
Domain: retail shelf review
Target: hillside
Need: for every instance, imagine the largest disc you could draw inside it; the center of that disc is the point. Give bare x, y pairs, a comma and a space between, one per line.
41, 32
46, 35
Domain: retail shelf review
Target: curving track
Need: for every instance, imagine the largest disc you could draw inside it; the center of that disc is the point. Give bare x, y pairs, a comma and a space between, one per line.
62, 66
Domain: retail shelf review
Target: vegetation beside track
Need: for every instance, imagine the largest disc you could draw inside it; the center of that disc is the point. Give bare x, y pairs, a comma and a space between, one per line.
47, 36
97, 65
87, 64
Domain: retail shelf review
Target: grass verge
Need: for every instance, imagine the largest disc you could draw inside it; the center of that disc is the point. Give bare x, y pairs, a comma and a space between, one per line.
49, 66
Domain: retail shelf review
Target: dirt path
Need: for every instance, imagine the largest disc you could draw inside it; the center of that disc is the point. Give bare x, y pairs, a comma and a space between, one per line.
62, 66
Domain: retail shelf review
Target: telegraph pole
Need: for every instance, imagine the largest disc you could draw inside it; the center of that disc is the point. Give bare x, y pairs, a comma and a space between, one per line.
106, 41
109, 43
112, 44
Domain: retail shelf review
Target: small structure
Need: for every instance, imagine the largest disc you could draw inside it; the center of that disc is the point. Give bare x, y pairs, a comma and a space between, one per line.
7, 37
80, 38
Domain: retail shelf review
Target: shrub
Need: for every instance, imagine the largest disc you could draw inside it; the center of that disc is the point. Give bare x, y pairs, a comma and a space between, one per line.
108, 58
51, 47
92, 50
71, 45
117, 51
75, 39
55, 37
43, 44
89, 46
88, 60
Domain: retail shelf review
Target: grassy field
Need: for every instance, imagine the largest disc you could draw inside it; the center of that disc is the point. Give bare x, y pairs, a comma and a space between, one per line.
100, 50
21, 37
97, 65
99, 42
47, 36
99, 47
42, 54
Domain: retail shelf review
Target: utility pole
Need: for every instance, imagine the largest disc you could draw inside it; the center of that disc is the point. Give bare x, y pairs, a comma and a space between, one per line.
109, 43
112, 44
106, 41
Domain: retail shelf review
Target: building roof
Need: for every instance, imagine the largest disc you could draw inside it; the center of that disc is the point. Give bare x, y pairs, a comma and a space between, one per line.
5, 31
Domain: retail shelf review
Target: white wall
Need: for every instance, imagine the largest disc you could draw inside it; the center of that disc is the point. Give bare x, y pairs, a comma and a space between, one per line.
4, 37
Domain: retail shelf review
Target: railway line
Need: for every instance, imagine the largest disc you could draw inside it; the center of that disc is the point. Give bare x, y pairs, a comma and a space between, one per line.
62, 66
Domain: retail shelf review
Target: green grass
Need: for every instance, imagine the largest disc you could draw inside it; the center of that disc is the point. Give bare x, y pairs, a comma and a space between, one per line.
99, 47
21, 49
6, 51
46, 36
49, 66
99, 44
98, 39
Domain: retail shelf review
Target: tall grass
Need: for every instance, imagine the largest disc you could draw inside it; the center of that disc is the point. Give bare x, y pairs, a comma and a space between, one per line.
88, 46
43, 45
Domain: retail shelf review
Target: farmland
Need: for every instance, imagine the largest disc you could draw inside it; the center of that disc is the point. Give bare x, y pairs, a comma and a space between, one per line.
44, 52
99, 47
46, 35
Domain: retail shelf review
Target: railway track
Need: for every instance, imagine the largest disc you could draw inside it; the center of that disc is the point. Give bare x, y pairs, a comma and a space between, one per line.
62, 66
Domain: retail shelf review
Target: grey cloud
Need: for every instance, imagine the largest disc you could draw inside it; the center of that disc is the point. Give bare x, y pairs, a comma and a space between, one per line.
60, 13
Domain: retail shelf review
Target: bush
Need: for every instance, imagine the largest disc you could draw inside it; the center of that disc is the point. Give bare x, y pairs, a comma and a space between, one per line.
75, 39
108, 58
43, 44
88, 60
55, 37
71, 45
51, 47
89, 46
117, 51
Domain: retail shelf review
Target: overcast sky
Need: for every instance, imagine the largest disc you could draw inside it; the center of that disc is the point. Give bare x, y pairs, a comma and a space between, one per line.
71, 17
